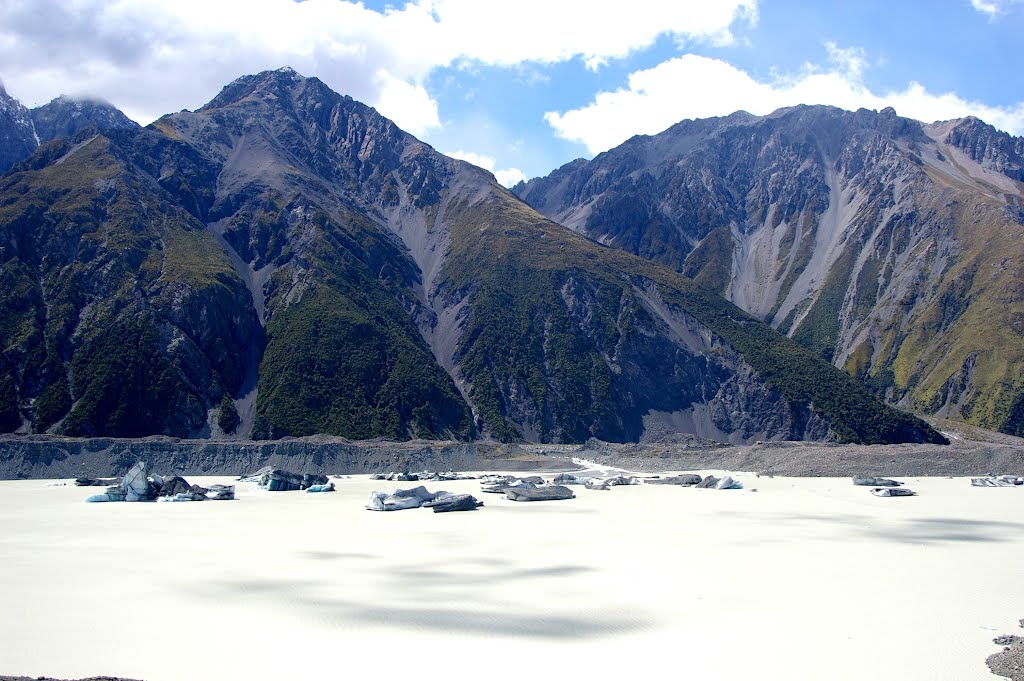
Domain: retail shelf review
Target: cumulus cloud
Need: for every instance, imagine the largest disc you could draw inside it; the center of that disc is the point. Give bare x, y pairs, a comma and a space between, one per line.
153, 56
505, 176
692, 86
994, 8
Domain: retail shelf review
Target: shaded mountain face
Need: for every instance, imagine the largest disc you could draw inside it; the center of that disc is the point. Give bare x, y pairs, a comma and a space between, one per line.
288, 259
23, 130
65, 116
885, 246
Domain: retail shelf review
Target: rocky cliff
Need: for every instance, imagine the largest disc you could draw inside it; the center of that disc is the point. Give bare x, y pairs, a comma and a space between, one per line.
881, 244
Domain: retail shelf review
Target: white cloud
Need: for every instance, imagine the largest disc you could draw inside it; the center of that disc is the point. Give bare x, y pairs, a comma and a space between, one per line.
692, 86
510, 33
153, 56
505, 176
407, 104
509, 176
994, 8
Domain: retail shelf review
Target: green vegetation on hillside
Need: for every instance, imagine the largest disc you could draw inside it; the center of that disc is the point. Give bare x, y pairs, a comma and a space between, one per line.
343, 356
508, 242
710, 263
122, 316
126, 385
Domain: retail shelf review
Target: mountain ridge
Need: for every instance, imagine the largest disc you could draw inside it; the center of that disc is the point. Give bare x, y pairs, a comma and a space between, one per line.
377, 288
857, 233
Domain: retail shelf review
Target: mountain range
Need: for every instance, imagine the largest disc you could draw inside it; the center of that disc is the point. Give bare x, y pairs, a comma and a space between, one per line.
285, 261
891, 248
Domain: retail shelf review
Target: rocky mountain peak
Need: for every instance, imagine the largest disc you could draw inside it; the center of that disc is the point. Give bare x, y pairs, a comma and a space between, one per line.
992, 148
278, 83
65, 116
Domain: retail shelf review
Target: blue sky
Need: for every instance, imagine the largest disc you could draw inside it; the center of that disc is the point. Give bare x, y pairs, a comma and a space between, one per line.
521, 88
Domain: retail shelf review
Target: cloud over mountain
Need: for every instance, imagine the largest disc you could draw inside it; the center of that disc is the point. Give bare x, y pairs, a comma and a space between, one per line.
692, 86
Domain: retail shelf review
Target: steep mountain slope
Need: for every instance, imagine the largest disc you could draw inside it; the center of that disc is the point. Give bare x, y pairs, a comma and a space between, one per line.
883, 245
118, 312
377, 288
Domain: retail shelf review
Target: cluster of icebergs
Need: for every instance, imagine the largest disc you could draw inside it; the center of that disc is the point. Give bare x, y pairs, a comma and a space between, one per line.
530, 488
139, 485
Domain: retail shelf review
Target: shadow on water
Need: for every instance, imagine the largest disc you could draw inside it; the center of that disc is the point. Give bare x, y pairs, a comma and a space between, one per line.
426, 598
906, 530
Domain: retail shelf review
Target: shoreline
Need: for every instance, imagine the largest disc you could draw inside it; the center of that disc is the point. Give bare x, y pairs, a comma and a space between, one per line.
970, 453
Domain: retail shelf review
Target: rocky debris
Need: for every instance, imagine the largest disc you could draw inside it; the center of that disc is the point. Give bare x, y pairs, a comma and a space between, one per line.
1010, 662
686, 479
868, 481
893, 492
531, 492
1007, 640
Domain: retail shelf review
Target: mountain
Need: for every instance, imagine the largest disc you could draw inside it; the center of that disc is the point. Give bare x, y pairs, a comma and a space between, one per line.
285, 261
888, 247
22, 130
65, 116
